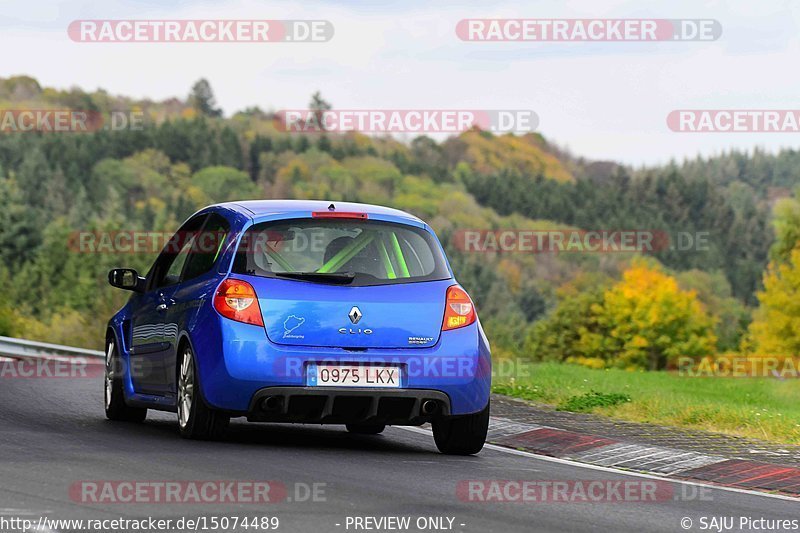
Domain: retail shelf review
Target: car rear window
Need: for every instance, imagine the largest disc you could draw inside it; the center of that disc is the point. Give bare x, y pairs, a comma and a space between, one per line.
371, 252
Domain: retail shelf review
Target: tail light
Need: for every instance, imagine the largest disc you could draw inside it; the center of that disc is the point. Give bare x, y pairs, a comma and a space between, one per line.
458, 309
237, 300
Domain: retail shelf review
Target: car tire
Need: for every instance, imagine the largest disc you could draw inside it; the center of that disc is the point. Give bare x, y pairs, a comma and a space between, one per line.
115, 406
366, 429
195, 419
461, 435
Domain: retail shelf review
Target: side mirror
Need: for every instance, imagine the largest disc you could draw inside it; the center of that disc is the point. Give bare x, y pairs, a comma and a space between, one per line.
126, 278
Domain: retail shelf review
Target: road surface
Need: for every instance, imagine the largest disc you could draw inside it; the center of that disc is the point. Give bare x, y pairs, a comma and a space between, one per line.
53, 435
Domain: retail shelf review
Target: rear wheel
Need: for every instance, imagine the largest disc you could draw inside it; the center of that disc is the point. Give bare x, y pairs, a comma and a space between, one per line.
461, 435
116, 408
195, 419
366, 429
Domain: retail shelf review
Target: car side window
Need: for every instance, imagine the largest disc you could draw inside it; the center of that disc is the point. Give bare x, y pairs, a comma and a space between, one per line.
207, 247
173, 275
167, 269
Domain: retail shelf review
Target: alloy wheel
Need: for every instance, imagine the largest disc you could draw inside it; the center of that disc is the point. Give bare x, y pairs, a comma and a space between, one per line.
185, 389
109, 374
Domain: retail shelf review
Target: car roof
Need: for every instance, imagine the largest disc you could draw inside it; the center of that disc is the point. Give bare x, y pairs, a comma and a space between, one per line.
259, 208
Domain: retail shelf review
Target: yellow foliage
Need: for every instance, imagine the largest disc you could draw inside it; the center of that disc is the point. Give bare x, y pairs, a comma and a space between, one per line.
296, 171
775, 329
65, 326
591, 362
512, 271
487, 154
653, 321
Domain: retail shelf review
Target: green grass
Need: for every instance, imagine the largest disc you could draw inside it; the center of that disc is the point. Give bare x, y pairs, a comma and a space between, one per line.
590, 400
762, 408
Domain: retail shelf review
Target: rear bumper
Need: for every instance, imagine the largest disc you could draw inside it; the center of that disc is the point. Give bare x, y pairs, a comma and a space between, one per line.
322, 405
238, 362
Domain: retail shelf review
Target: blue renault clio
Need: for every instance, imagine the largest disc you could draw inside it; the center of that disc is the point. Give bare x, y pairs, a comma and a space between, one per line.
301, 312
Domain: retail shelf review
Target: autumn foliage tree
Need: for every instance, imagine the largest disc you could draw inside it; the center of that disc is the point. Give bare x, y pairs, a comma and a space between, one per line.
202, 99
775, 329
571, 332
644, 321
652, 321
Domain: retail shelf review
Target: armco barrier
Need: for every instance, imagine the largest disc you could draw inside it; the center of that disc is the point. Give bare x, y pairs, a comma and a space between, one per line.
23, 348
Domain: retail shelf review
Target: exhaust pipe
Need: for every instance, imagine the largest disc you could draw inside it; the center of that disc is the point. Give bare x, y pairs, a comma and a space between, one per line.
430, 407
272, 403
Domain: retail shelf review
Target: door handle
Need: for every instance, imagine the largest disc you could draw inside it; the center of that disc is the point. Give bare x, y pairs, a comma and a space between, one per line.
161, 307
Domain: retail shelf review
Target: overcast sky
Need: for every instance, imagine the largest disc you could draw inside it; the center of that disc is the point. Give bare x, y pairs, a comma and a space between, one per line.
600, 100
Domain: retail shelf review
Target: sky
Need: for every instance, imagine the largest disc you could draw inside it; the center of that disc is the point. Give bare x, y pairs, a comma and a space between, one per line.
601, 100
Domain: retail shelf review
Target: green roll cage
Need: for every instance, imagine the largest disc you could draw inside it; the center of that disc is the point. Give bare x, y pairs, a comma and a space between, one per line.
394, 262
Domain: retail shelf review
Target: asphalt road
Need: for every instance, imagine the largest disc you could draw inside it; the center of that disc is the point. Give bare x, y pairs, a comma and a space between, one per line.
53, 434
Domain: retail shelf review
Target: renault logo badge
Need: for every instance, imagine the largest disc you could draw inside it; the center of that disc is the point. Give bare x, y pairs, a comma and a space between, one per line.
355, 315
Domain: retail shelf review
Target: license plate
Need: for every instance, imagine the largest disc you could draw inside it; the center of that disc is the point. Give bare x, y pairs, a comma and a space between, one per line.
332, 375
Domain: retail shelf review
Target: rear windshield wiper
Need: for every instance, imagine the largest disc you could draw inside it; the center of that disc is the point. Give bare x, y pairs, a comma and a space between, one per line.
318, 277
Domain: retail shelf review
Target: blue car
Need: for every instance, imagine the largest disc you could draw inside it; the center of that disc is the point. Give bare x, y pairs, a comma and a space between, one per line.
301, 312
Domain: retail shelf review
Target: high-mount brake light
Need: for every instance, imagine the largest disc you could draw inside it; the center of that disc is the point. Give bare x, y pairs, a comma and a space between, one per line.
458, 309
339, 214
237, 300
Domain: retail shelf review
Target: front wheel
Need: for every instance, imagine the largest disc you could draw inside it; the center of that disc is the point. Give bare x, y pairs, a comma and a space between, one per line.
195, 419
463, 434
116, 408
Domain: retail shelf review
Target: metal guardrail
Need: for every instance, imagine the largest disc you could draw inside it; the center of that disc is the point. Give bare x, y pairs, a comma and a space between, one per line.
9, 346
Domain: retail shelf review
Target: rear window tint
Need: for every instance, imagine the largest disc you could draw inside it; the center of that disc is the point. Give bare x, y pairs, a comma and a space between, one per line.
371, 251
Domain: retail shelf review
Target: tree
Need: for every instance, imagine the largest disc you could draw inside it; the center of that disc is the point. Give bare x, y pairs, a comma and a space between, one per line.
20, 229
7, 325
202, 99
786, 223
319, 106
775, 329
260, 144
231, 154
571, 331
652, 321
644, 321
714, 291
224, 184
8, 320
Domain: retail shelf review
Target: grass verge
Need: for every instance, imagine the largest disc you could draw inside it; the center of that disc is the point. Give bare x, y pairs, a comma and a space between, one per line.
762, 408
